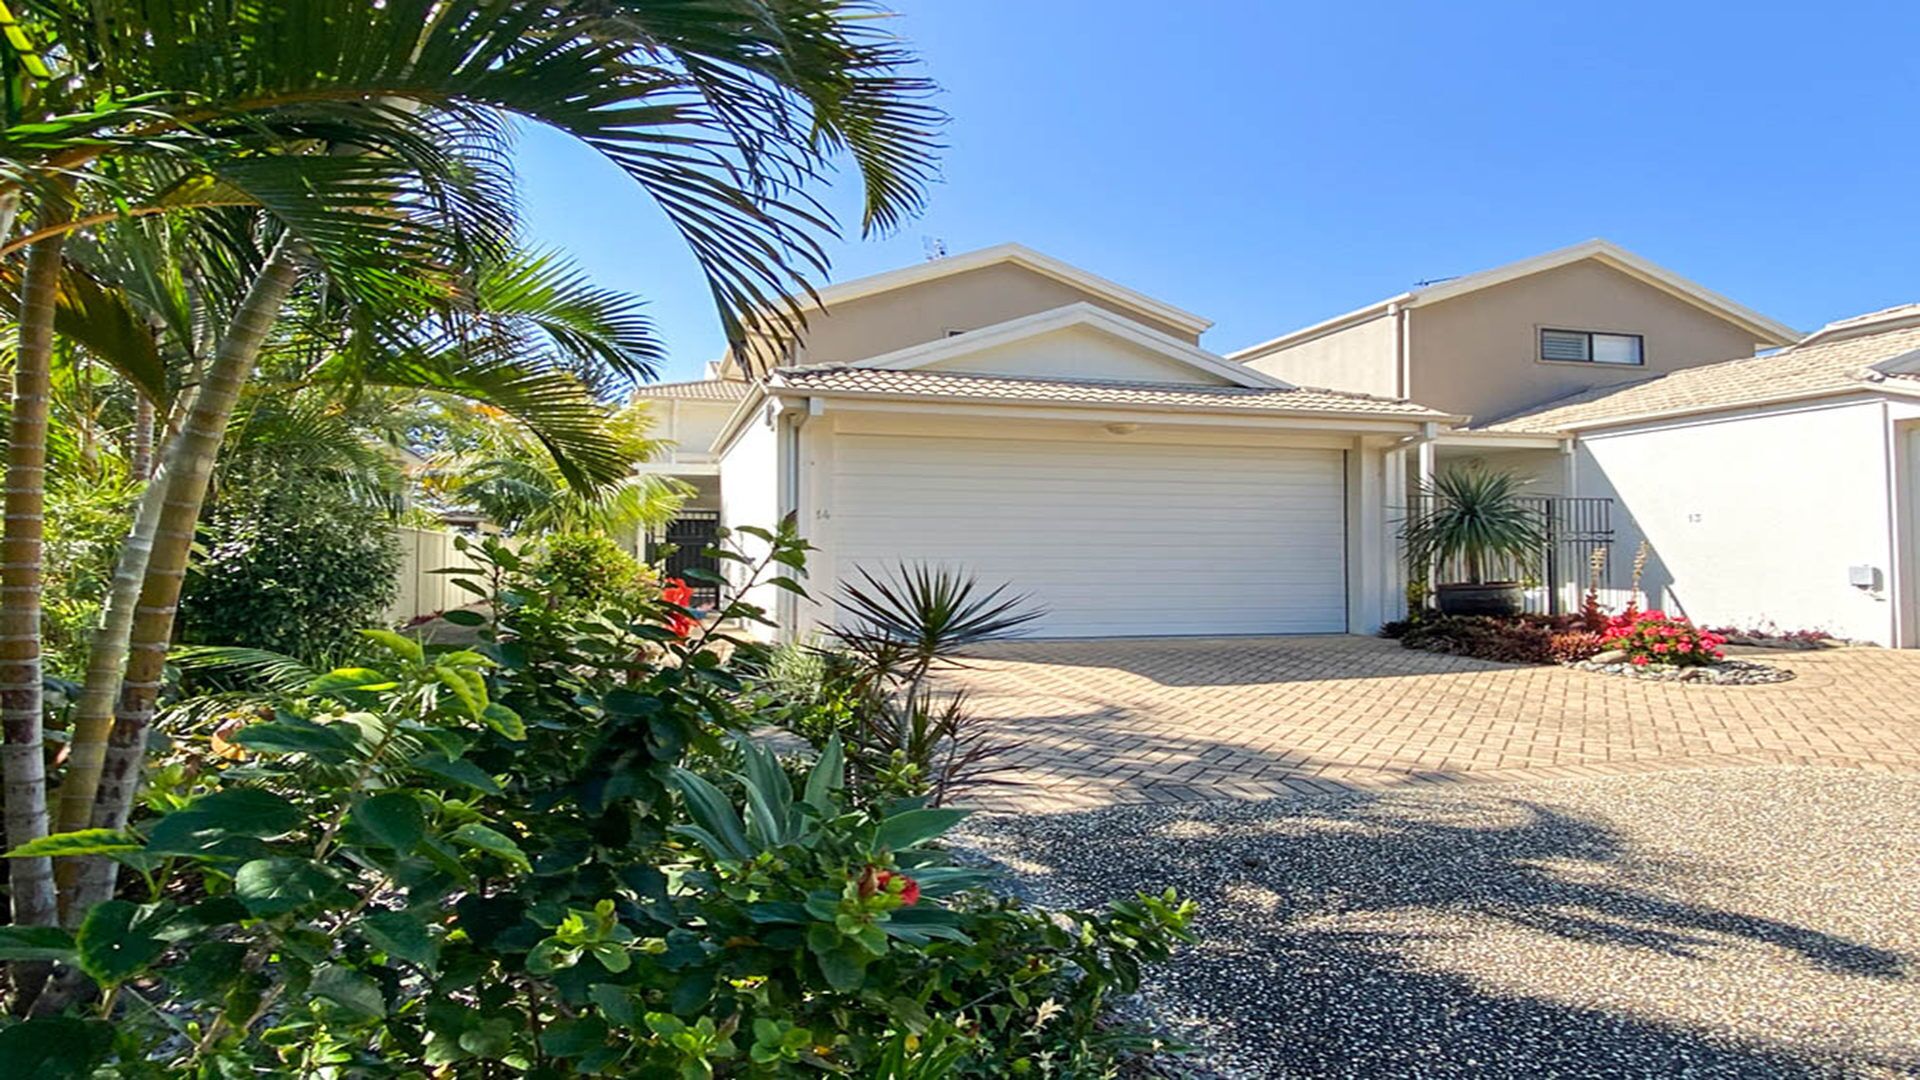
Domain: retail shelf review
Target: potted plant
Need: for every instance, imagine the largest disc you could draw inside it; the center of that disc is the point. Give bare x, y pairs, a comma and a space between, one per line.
1475, 516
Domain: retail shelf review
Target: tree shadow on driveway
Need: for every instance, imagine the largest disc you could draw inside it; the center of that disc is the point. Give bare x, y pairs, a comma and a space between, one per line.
1579, 930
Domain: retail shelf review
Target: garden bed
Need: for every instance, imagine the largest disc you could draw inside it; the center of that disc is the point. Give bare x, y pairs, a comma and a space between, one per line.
1636, 645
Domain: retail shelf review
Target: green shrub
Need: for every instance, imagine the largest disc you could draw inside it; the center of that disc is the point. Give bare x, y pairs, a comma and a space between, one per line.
550, 855
587, 571
86, 521
292, 566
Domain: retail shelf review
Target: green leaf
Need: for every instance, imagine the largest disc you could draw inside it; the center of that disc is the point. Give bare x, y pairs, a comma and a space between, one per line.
351, 680
400, 645
276, 886
56, 1048
505, 721
80, 842
205, 825
35, 943
110, 949
714, 814
393, 818
479, 837
295, 735
904, 830
403, 935
843, 962
573, 1038
349, 990
829, 775
458, 770
463, 617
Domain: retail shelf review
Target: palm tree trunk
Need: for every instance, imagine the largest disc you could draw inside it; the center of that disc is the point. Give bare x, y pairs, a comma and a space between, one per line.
21, 708
188, 469
93, 712
142, 463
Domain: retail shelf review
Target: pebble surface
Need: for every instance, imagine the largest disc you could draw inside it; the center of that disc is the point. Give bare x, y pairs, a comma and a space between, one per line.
1758, 922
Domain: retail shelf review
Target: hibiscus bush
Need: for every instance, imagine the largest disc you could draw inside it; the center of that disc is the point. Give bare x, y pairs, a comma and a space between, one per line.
1654, 637
551, 854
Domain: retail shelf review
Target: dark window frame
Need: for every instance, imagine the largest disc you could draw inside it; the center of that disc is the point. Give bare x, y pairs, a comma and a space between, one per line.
1640, 347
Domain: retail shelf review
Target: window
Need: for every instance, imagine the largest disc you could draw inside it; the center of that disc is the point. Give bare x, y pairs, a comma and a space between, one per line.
1586, 346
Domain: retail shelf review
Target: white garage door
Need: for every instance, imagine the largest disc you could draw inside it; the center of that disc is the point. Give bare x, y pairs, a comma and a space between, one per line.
1111, 539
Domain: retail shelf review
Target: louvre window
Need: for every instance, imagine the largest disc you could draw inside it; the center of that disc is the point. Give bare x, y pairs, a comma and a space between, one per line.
1585, 346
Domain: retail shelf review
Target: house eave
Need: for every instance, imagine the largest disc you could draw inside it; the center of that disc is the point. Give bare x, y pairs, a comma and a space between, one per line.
1314, 418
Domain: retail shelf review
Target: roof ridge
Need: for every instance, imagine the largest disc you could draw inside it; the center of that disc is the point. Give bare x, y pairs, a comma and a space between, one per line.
949, 373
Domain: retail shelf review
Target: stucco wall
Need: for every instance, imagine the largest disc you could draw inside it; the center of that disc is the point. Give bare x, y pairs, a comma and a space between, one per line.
1362, 358
1756, 518
873, 325
1078, 352
750, 495
1479, 354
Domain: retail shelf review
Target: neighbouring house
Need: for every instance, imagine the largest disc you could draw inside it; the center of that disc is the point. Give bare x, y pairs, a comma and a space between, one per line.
1039, 425
1778, 488
1042, 426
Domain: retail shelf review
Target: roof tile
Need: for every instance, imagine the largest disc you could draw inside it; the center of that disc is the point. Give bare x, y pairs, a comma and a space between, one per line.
1826, 366
1005, 388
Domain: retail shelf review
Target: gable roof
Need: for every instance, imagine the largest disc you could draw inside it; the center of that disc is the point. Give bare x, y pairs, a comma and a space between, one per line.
695, 390
1087, 315
847, 381
1877, 352
1602, 251
1017, 255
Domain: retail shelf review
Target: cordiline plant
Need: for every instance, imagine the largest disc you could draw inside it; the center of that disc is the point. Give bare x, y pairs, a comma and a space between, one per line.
897, 631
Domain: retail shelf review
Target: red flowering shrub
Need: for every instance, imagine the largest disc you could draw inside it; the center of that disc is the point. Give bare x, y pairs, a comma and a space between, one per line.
1654, 637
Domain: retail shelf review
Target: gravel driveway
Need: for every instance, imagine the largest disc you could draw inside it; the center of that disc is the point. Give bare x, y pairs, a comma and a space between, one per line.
1759, 922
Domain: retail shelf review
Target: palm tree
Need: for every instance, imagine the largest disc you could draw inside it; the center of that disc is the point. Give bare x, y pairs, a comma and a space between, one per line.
518, 485
725, 114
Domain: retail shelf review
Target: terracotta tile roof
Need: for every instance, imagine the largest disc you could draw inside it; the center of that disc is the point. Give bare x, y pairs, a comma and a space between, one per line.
698, 390
1005, 388
1835, 359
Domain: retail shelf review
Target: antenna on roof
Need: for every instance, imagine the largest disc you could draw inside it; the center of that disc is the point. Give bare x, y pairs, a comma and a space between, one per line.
1434, 281
936, 248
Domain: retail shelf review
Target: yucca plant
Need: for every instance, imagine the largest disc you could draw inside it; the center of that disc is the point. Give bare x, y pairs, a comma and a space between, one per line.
1475, 515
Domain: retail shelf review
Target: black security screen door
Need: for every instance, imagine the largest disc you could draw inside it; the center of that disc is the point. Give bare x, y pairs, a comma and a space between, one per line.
689, 535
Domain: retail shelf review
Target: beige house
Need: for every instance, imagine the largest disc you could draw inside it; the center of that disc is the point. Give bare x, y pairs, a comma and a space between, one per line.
1498, 341
1047, 428
1042, 426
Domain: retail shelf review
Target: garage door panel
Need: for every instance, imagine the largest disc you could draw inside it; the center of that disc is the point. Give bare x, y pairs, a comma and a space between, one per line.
1110, 539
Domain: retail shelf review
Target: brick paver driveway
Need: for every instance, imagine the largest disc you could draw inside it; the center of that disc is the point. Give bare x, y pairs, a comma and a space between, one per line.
1172, 720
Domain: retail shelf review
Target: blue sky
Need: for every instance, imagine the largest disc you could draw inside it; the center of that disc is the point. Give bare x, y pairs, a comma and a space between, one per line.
1268, 165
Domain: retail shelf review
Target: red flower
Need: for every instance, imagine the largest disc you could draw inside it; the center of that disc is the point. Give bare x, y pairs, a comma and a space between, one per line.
882, 881
677, 593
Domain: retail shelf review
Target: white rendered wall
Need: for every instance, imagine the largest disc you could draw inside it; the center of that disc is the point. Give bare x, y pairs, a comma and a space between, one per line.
1755, 518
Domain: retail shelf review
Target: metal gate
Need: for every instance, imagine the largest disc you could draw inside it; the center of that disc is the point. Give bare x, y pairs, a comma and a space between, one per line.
684, 543
1577, 531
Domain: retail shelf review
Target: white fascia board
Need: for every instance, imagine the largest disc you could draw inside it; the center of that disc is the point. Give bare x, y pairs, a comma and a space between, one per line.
1019, 255
1320, 329
1081, 314
748, 408
1499, 440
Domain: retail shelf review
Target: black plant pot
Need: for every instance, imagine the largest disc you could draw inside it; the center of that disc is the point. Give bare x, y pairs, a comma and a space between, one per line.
1490, 598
